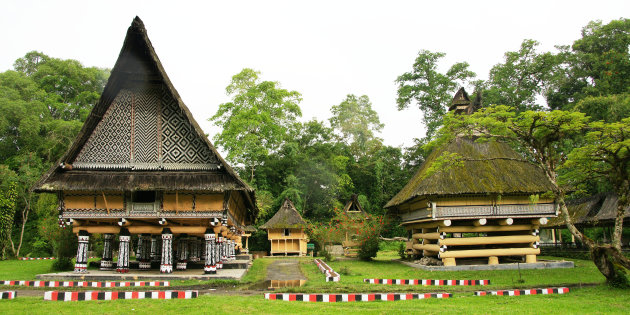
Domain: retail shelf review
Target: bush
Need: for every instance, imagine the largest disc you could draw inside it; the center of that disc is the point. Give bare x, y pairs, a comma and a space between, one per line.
402, 250
62, 264
368, 249
259, 242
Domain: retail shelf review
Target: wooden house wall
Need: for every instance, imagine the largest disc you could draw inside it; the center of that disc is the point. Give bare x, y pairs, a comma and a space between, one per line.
93, 200
236, 206
294, 243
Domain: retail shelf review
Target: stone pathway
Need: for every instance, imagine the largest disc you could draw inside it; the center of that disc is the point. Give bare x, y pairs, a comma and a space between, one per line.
285, 269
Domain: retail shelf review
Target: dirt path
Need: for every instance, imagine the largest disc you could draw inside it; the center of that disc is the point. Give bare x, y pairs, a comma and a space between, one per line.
285, 269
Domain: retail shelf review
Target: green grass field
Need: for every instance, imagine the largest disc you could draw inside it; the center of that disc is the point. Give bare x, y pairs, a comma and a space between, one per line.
589, 298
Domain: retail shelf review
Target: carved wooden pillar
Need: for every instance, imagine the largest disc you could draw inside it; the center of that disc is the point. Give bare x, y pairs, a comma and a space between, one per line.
81, 264
166, 265
182, 249
123, 251
107, 260
219, 251
210, 266
144, 247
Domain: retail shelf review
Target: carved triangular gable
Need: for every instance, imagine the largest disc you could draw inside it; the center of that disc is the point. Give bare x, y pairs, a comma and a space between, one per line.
145, 129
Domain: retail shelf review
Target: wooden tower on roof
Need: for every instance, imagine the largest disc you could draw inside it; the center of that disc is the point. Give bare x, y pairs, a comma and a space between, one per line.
286, 231
488, 206
142, 165
356, 214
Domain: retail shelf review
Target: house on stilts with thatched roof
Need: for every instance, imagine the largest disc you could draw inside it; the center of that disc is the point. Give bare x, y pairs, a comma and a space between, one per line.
486, 208
286, 231
141, 165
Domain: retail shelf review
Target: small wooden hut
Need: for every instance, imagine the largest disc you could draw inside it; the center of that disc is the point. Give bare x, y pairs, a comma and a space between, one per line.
141, 165
488, 205
355, 212
286, 231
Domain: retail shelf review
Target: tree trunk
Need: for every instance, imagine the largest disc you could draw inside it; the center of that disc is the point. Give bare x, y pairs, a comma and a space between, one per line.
622, 204
611, 262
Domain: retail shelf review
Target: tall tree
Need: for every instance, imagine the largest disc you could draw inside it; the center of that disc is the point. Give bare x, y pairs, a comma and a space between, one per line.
595, 65
430, 89
357, 123
255, 122
522, 77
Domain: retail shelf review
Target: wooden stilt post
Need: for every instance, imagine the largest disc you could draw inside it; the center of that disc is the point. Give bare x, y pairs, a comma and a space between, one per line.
107, 259
449, 261
166, 265
493, 260
123, 251
530, 259
81, 263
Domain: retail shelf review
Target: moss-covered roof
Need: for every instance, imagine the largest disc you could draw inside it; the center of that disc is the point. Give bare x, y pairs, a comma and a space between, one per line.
596, 210
286, 217
482, 168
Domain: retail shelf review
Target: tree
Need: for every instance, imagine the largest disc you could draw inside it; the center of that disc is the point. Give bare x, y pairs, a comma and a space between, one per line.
431, 90
522, 77
595, 65
357, 123
255, 122
44, 102
8, 198
544, 138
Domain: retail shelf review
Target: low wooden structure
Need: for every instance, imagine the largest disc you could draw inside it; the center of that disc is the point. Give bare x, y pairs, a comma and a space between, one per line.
599, 210
489, 204
286, 231
141, 165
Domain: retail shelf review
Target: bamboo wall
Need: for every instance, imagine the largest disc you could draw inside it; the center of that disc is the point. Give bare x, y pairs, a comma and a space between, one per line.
292, 244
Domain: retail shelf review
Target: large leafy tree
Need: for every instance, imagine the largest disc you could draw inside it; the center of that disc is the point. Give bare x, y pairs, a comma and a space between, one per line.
43, 104
429, 89
357, 124
255, 122
597, 64
522, 77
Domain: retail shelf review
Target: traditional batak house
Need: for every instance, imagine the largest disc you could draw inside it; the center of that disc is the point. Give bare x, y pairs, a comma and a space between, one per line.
354, 211
286, 231
141, 165
488, 205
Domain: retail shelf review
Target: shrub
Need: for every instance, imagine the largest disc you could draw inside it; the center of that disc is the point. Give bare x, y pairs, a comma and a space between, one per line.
368, 248
402, 250
62, 264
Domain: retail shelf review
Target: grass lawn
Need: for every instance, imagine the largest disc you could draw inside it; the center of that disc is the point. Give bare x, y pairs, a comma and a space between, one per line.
587, 299
580, 301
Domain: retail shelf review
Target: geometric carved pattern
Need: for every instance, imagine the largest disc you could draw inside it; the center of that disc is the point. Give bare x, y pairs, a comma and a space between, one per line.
180, 142
145, 129
109, 142
161, 134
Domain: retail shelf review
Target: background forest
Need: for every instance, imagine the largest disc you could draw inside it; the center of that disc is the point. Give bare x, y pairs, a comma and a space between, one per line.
317, 164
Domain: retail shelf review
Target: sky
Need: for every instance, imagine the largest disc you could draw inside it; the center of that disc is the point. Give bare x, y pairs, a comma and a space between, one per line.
322, 49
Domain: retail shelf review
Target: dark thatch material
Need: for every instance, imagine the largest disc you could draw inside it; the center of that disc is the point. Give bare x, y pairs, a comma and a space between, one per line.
353, 205
596, 210
250, 229
287, 217
138, 64
486, 168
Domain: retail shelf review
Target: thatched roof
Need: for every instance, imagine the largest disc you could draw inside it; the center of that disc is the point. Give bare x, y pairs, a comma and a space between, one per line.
486, 168
193, 164
286, 217
353, 205
596, 210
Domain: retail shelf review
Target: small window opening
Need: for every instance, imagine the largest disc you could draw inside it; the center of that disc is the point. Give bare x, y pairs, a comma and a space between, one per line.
287, 232
143, 196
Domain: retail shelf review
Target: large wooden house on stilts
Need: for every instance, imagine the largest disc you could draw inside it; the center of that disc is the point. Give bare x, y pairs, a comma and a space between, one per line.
487, 206
142, 166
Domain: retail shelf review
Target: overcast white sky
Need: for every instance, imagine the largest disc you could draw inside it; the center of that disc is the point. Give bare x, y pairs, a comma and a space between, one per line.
323, 49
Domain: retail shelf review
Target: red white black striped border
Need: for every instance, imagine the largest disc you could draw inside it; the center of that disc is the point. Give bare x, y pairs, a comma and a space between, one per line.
561, 290
8, 295
331, 275
118, 295
40, 258
87, 284
353, 297
427, 282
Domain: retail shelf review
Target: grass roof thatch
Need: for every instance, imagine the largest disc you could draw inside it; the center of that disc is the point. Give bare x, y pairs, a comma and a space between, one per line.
286, 217
482, 168
138, 64
596, 210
